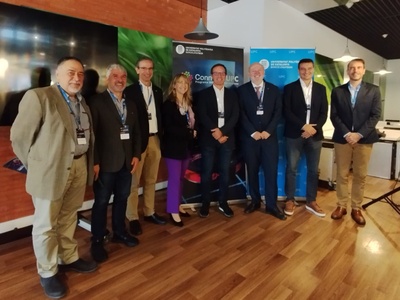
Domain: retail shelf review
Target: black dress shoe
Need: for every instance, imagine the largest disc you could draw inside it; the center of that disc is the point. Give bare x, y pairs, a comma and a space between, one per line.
179, 224
98, 252
135, 227
252, 207
156, 219
126, 239
53, 287
184, 214
80, 266
204, 211
276, 212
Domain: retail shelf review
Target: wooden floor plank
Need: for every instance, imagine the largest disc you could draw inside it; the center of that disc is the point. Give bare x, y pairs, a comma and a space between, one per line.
246, 257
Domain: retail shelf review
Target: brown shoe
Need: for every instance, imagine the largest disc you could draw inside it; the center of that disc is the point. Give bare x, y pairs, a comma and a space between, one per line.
289, 207
315, 209
357, 216
338, 213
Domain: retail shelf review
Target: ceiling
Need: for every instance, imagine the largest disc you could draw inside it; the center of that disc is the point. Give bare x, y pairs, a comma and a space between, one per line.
364, 22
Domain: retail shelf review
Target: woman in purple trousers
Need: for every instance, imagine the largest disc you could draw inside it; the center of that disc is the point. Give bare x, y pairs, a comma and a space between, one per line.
178, 125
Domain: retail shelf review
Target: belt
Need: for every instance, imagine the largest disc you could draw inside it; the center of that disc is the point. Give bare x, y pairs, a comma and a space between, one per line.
78, 156
152, 134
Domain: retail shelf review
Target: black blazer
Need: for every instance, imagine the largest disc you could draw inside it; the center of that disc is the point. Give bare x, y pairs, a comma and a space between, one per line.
177, 137
110, 152
295, 109
362, 119
207, 116
135, 94
249, 120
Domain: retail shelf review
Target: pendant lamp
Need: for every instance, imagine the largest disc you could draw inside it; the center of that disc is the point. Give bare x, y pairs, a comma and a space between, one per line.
200, 32
383, 71
346, 57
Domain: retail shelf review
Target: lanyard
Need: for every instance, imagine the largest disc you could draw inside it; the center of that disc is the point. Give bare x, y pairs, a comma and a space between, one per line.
150, 96
77, 116
260, 99
122, 114
353, 93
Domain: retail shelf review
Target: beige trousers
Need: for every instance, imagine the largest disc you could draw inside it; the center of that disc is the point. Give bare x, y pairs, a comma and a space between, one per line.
54, 223
357, 157
147, 171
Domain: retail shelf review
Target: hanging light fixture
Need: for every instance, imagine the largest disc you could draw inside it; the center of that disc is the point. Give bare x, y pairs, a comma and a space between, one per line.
346, 57
383, 71
201, 32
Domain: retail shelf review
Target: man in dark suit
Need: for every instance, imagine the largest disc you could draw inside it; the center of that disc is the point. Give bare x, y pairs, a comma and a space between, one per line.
148, 99
355, 111
116, 157
305, 108
217, 115
260, 112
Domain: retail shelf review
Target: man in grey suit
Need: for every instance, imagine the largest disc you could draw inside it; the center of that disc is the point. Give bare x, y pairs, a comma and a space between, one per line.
305, 107
53, 138
355, 111
116, 157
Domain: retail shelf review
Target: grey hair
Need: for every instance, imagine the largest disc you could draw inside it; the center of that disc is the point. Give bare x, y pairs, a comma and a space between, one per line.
114, 66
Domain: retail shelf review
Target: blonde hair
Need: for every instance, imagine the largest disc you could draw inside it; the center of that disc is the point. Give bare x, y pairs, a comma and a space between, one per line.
171, 94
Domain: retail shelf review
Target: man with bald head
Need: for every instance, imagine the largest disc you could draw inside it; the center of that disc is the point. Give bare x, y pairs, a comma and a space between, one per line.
52, 136
260, 112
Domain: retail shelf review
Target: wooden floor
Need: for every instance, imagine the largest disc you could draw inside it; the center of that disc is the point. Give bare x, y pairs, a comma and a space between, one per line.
247, 257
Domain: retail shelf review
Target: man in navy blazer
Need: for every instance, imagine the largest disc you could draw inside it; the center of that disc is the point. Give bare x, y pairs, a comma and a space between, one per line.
217, 115
260, 112
305, 108
148, 99
355, 111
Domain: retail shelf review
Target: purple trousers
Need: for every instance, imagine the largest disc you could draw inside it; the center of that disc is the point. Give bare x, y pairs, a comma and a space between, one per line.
176, 172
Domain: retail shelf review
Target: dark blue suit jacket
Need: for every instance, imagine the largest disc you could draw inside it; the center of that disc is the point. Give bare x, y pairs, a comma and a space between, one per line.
135, 94
362, 118
249, 120
207, 116
295, 109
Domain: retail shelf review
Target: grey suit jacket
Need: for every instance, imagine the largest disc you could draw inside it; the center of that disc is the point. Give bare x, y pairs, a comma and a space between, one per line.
43, 138
362, 118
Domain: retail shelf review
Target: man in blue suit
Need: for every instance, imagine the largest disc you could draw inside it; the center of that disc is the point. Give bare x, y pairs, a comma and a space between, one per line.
305, 108
260, 112
355, 111
217, 112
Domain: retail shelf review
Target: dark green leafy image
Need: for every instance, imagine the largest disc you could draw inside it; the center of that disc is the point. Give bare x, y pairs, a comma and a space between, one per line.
133, 45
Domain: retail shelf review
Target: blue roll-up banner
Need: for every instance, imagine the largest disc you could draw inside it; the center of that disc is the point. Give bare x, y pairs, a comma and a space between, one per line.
280, 69
196, 60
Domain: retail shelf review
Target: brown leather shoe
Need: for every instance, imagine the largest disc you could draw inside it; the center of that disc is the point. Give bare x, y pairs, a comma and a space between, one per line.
338, 213
357, 216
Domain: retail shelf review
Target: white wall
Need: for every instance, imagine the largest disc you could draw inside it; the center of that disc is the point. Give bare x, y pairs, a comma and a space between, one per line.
392, 97
273, 24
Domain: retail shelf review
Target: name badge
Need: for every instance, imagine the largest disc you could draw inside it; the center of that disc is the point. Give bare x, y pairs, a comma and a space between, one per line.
149, 116
80, 135
124, 134
260, 110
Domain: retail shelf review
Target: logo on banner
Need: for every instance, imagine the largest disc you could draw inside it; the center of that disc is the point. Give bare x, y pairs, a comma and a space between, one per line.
264, 63
188, 75
180, 49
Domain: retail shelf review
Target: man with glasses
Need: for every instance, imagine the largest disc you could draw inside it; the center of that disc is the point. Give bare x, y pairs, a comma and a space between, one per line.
148, 99
260, 112
217, 115
53, 137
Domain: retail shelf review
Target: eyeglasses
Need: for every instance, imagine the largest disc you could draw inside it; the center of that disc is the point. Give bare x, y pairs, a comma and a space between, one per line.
218, 73
146, 69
